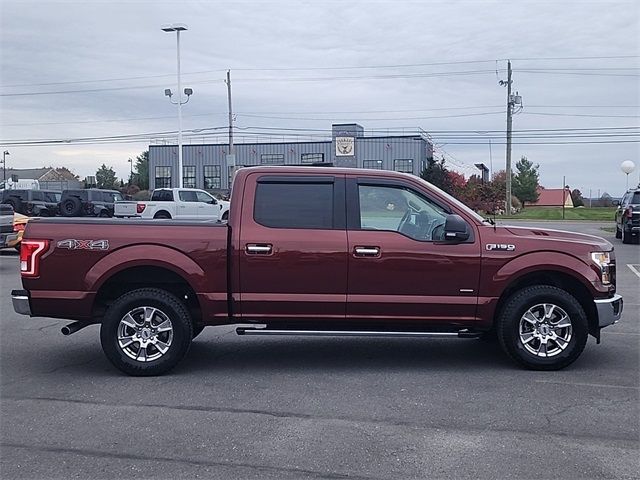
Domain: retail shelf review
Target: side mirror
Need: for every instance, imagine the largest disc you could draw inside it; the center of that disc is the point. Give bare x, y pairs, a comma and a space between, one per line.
455, 229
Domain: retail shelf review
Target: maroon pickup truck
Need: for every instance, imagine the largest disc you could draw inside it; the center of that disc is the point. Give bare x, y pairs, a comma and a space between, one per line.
321, 251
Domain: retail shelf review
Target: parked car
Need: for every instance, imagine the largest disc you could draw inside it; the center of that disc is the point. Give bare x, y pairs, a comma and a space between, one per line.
33, 203
7, 234
628, 217
320, 253
91, 202
19, 224
183, 203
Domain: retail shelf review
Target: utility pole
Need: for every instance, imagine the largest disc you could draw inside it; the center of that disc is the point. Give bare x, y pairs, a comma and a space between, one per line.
564, 192
509, 126
231, 157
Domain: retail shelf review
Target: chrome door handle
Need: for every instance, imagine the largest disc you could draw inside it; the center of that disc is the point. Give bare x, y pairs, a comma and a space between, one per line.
259, 249
367, 251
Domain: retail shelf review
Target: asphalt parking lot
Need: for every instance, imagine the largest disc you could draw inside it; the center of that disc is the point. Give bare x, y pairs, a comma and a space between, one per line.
264, 407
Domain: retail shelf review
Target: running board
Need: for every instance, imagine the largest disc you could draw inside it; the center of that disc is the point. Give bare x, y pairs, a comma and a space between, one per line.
355, 333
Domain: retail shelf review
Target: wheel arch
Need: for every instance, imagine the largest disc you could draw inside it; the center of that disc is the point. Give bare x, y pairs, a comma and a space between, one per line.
156, 266
555, 278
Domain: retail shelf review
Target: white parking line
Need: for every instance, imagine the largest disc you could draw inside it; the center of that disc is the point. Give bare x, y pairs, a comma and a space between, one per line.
634, 269
597, 385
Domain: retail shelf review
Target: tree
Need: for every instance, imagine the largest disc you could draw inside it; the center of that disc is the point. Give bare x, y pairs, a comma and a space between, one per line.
436, 173
106, 177
525, 182
576, 197
606, 200
142, 171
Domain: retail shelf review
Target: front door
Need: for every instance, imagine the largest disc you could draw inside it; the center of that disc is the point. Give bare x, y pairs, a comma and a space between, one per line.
400, 268
292, 248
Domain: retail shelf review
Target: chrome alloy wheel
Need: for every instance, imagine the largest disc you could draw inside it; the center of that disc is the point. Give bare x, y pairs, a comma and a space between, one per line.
545, 330
145, 334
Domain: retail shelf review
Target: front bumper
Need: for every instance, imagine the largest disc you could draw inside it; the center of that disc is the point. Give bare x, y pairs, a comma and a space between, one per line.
20, 300
609, 310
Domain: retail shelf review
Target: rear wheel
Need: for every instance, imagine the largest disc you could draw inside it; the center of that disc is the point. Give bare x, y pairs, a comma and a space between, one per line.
542, 328
618, 232
626, 237
161, 215
146, 332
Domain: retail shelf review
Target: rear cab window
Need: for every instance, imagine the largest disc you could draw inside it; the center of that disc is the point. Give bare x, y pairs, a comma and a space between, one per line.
300, 203
162, 196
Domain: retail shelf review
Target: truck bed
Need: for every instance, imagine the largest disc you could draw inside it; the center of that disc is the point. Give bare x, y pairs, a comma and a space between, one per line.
104, 251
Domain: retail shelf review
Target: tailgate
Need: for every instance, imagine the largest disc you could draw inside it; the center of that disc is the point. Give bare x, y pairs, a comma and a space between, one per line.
125, 208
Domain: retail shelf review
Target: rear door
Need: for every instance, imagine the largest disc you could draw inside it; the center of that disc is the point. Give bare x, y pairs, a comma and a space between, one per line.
400, 267
293, 248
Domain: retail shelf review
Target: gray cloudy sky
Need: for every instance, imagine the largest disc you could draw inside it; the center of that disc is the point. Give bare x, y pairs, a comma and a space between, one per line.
436, 70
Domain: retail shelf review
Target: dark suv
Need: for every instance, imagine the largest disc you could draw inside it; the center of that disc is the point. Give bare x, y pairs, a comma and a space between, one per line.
628, 217
92, 202
34, 203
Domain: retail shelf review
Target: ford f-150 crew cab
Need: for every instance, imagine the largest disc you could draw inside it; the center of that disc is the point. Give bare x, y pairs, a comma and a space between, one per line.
322, 251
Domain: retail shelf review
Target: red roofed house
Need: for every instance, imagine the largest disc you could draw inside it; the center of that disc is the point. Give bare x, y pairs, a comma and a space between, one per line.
554, 197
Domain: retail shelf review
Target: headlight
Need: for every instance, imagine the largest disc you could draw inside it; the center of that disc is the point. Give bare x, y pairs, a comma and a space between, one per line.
603, 261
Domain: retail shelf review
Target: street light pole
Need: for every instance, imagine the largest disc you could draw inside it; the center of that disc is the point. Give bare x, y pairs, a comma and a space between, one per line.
178, 27
4, 166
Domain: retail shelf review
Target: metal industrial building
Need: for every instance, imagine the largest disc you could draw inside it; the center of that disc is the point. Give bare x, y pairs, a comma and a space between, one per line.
205, 165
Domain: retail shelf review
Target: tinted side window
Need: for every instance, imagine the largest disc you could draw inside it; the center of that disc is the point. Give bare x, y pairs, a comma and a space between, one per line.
162, 196
187, 196
636, 198
294, 205
37, 196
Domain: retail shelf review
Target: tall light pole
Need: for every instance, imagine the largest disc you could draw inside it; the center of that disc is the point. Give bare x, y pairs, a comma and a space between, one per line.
4, 166
627, 167
178, 27
130, 170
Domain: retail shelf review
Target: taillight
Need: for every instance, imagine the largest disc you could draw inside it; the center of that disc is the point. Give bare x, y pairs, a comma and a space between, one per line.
628, 212
140, 207
30, 253
19, 227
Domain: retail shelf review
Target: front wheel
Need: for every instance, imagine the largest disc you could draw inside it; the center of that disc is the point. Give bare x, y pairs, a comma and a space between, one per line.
146, 332
542, 328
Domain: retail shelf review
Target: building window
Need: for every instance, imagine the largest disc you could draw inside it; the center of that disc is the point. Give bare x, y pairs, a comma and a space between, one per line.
312, 158
272, 158
211, 177
375, 164
163, 177
404, 165
189, 176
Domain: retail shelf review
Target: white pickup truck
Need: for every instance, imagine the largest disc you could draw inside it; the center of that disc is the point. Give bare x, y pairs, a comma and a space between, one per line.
183, 203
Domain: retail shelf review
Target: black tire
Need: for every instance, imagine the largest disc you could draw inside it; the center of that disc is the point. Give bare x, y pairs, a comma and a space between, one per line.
71, 207
104, 214
626, 237
169, 306
509, 320
197, 330
618, 232
162, 215
225, 216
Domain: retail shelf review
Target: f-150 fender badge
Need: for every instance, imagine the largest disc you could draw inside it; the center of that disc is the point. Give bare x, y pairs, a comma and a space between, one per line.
501, 246
73, 244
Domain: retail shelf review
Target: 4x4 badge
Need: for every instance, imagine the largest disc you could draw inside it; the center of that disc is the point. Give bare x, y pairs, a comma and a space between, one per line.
501, 246
72, 244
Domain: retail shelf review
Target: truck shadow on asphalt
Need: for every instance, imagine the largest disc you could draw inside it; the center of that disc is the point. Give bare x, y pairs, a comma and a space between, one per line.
333, 354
